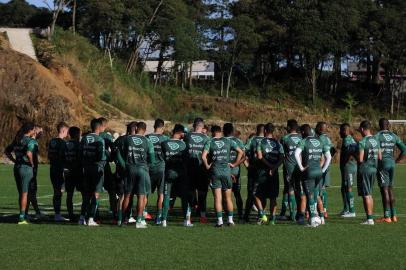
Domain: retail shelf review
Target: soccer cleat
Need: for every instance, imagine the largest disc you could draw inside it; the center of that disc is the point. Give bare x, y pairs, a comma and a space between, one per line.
301, 221
395, 219
23, 222
283, 218
92, 223
349, 215
140, 225
164, 225
40, 216
148, 216
272, 222
143, 222
60, 218
203, 220
158, 221
219, 225
368, 222
262, 220
187, 223
131, 220
384, 220
230, 224
343, 212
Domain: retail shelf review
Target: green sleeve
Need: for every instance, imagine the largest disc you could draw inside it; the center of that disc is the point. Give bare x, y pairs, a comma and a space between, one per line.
259, 148
326, 148
151, 152
241, 145
234, 145
281, 151
31, 146
401, 145
207, 146
361, 145
248, 144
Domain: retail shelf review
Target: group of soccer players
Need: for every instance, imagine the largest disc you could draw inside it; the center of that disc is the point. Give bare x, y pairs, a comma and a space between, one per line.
186, 163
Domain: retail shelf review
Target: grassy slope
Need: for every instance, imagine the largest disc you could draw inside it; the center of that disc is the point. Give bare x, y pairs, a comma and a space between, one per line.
341, 244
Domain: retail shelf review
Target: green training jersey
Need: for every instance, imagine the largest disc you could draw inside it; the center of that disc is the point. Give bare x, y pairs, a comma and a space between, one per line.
108, 143
20, 149
138, 150
118, 153
251, 149
370, 146
195, 143
157, 140
387, 142
233, 153
72, 154
271, 150
313, 150
348, 152
56, 152
174, 153
92, 149
219, 150
289, 143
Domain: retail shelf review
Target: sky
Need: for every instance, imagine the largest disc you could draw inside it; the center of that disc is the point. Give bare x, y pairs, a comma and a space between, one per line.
39, 3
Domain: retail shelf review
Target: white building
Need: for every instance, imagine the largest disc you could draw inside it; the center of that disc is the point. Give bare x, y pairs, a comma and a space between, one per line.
201, 70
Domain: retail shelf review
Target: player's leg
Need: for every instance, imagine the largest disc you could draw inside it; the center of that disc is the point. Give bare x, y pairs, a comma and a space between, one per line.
218, 205
186, 192
344, 192
23, 175
324, 195
365, 183
309, 186
202, 190
96, 188
285, 197
250, 196
84, 188
142, 188
70, 188
259, 199
349, 195
56, 174
273, 194
384, 183
167, 197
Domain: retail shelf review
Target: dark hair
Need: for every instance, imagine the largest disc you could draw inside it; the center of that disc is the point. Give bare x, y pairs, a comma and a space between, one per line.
383, 124
25, 128
132, 127
74, 132
197, 121
292, 125
306, 130
260, 128
228, 129
215, 129
61, 125
141, 126
365, 124
320, 125
178, 128
159, 123
103, 120
95, 123
344, 125
269, 128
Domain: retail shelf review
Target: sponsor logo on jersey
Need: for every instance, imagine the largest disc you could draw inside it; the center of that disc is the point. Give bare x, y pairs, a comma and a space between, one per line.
219, 144
136, 140
296, 140
272, 144
373, 142
196, 139
387, 137
153, 139
315, 142
90, 139
173, 146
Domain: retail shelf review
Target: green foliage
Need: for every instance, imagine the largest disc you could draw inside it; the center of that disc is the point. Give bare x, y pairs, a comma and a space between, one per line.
350, 102
106, 97
18, 13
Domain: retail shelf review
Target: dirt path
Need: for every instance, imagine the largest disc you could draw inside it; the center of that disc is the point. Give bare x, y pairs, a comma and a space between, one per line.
20, 40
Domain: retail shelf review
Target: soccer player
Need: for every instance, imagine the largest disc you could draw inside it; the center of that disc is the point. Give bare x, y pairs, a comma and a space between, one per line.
309, 157
252, 163
175, 153
56, 151
108, 181
23, 147
348, 169
195, 142
73, 169
386, 168
93, 157
121, 173
217, 150
321, 129
291, 172
270, 153
228, 131
138, 151
157, 170
368, 156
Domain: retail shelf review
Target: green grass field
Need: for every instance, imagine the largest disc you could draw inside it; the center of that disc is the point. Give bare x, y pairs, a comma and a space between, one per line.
340, 244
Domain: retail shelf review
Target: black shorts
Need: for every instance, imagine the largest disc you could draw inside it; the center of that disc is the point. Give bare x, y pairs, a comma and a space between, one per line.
93, 176
199, 177
120, 180
73, 179
108, 183
267, 186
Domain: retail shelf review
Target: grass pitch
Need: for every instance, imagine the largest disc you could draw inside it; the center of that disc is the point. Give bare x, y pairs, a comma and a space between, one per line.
341, 244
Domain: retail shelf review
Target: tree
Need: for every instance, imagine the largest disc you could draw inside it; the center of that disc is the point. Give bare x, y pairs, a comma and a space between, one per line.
56, 7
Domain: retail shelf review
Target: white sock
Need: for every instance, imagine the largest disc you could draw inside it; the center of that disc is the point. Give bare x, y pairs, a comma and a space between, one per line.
220, 220
230, 219
91, 219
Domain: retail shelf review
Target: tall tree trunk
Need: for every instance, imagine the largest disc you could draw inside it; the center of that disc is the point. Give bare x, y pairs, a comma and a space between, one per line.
314, 84
159, 67
337, 72
222, 84
190, 75
230, 73
74, 17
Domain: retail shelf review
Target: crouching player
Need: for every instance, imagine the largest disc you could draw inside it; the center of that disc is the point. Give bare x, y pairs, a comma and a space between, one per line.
309, 157
270, 153
217, 150
174, 152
